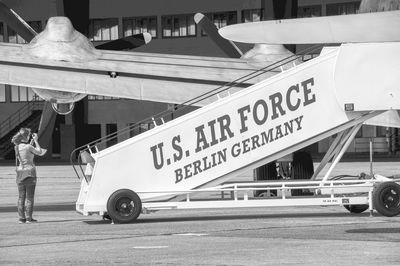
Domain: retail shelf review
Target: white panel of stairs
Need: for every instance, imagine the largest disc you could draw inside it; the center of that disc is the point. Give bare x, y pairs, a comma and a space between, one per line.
216, 142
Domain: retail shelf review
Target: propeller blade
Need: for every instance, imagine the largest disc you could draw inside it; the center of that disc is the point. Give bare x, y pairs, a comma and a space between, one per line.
126, 43
228, 47
16, 23
46, 125
365, 27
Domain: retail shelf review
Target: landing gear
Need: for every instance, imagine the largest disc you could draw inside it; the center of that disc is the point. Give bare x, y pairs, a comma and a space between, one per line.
266, 172
357, 208
386, 198
124, 206
302, 168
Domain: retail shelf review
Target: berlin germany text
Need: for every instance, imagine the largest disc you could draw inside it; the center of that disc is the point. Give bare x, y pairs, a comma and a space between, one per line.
252, 118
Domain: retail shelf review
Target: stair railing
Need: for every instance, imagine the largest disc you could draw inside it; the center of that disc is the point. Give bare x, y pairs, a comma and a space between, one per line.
19, 116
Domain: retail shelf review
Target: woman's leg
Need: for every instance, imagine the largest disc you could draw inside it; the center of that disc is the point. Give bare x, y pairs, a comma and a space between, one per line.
30, 194
21, 200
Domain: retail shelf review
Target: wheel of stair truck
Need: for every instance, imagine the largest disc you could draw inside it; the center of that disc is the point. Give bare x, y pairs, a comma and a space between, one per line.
124, 206
386, 198
356, 208
302, 168
265, 172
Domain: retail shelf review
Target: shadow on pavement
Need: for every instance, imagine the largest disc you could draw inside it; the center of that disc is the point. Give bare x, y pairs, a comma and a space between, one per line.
375, 231
44, 208
144, 220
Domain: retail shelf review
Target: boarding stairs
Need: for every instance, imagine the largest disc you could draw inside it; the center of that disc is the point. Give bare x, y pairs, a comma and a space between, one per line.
250, 128
27, 116
176, 110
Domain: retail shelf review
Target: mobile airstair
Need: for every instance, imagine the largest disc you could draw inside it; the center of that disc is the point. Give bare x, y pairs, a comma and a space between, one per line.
334, 93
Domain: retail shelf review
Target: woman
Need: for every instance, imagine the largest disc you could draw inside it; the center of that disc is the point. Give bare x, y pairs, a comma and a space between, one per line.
26, 172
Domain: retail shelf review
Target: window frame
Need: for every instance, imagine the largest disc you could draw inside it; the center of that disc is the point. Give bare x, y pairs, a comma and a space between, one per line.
2, 32
29, 94
35, 25
354, 4
93, 97
310, 7
131, 19
97, 28
261, 10
188, 17
211, 15
4, 94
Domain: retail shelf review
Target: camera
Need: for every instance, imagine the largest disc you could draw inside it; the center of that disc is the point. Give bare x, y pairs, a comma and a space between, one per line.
31, 139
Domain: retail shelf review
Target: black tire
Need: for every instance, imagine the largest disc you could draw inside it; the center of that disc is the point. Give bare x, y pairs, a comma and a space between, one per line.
386, 198
266, 172
356, 208
302, 168
124, 206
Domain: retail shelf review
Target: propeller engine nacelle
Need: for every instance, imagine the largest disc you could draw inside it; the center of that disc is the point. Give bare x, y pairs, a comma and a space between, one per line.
60, 41
62, 102
63, 108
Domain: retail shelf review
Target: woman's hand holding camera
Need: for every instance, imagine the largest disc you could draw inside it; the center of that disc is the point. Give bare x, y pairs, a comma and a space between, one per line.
35, 137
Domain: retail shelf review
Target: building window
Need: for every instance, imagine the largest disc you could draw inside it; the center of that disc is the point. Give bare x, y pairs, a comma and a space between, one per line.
252, 15
2, 93
178, 26
103, 29
342, 9
309, 11
1, 32
13, 37
22, 94
134, 26
111, 129
101, 98
222, 19
381, 131
359, 133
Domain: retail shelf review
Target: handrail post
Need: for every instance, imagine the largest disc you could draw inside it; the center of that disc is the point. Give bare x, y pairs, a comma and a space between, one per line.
371, 152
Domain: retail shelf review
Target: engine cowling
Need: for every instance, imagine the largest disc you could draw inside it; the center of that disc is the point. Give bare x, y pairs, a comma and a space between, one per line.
63, 108
62, 102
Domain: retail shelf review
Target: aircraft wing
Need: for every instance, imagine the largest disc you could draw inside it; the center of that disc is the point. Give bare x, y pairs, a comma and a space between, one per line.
366, 27
387, 119
142, 76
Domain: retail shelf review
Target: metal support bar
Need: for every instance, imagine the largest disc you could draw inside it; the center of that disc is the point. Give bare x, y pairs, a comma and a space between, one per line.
350, 138
370, 202
333, 149
371, 153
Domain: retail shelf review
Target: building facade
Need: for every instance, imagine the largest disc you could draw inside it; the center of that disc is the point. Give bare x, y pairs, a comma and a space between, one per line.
171, 24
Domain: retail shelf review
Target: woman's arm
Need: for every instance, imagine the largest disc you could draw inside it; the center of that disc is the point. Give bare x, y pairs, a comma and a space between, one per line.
37, 149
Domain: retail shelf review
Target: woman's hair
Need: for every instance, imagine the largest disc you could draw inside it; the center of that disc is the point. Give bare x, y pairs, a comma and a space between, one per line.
21, 136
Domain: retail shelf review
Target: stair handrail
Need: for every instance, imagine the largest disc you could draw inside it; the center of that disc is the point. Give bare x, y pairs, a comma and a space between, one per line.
19, 116
6, 144
238, 82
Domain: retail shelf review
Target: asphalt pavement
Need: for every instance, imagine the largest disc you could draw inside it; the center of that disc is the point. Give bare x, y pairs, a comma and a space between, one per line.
255, 236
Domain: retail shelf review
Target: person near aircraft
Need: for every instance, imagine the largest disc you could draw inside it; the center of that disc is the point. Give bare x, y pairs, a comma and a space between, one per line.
25, 151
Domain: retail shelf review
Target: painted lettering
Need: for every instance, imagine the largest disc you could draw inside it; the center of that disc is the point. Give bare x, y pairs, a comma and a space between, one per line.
158, 161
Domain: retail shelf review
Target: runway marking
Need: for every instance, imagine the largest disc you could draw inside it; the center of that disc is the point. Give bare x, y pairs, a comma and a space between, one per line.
149, 247
191, 234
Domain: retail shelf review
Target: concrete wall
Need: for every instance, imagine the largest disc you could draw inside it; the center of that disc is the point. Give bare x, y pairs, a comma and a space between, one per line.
127, 8
122, 111
33, 10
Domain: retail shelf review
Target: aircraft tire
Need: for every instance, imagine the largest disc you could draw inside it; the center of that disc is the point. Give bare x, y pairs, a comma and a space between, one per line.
266, 172
302, 168
386, 198
356, 208
124, 206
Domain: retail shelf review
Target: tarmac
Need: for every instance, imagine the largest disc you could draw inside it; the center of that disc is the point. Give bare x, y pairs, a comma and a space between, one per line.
255, 236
